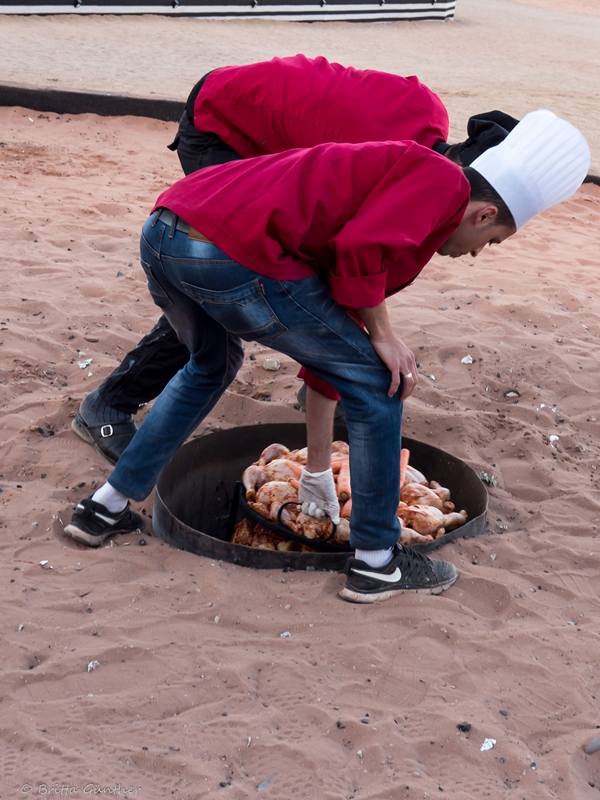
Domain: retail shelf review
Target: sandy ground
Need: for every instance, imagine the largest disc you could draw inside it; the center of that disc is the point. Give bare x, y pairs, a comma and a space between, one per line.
195, 694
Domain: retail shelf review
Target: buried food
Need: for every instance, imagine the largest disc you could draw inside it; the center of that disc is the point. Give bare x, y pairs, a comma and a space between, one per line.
271, 485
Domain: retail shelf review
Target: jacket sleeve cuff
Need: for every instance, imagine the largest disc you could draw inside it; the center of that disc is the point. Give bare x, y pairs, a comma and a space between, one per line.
318, 384
365, 291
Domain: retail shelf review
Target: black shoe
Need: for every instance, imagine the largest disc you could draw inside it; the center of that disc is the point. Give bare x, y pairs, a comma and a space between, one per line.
109, 439
92, 522
408, 571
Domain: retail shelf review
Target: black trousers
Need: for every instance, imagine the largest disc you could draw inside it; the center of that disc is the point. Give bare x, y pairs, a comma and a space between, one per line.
146, 370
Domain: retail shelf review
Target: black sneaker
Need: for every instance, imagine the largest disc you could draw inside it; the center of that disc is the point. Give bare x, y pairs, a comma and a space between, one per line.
109, 439
408, 571
92, 522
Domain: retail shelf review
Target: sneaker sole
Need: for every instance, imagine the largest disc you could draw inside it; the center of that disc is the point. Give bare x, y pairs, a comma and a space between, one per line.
91, 539
81, 430
361, 597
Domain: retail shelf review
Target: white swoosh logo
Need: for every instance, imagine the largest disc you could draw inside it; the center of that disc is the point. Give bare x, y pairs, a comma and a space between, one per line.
102, 517
393, 578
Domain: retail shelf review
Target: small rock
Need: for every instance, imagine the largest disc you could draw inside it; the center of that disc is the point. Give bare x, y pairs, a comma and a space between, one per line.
503, 712
593, 746
93, 665
488, 744
359, 753
20, 628
262, 787
142, 542
489, 479
285, 635
464, 727
272, 364
89, 337
466, 360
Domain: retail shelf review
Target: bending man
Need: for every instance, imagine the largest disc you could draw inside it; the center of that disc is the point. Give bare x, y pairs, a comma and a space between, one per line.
235, 253
260, 109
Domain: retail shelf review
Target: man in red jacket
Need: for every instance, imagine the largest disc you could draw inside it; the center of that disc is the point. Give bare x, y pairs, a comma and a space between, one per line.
253, 110
237, 252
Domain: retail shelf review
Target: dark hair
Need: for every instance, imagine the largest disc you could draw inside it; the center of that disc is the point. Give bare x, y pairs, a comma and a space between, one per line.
482, 190
453, 153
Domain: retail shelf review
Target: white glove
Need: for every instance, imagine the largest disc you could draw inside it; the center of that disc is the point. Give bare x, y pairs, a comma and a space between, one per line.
317, 495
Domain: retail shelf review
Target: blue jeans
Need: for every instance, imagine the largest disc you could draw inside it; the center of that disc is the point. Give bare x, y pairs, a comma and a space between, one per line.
213, 302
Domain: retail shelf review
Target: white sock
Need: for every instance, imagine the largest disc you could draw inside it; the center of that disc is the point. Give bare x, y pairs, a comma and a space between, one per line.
113, 500
375, 558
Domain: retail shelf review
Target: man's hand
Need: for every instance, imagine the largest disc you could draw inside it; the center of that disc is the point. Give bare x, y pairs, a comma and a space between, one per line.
398, 358
317, 495
400, 361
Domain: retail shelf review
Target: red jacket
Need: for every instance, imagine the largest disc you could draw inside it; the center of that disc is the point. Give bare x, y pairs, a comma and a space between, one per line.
291, 102
285, 103
371, 214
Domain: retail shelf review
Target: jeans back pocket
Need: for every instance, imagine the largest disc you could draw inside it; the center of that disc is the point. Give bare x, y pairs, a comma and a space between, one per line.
243, 311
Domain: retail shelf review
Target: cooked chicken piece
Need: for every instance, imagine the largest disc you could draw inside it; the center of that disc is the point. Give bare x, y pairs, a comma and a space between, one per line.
441, 491
340, 447
455, 520
287, 517
342, 533
426, 520
408, 537
414, 494
299, 456
253, 478
242, 532
313, 528
282, 470
272, 452
255, 536
276, 492
414, 476
448, 507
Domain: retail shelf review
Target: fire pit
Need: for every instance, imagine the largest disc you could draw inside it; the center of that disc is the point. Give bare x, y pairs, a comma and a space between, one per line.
195, 492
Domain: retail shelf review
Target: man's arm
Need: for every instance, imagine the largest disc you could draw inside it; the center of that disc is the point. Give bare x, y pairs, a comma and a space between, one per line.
320, 412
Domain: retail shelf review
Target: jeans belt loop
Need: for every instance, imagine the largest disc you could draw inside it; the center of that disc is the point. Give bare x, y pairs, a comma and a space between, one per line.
173, 226
171, 219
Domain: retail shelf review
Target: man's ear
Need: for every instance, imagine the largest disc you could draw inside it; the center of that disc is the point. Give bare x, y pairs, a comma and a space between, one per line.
486, 214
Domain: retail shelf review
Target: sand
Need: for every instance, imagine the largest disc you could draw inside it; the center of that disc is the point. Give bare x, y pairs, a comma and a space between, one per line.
195, 694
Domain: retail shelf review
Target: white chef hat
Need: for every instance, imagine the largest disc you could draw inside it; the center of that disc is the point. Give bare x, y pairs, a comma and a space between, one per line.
542, 161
